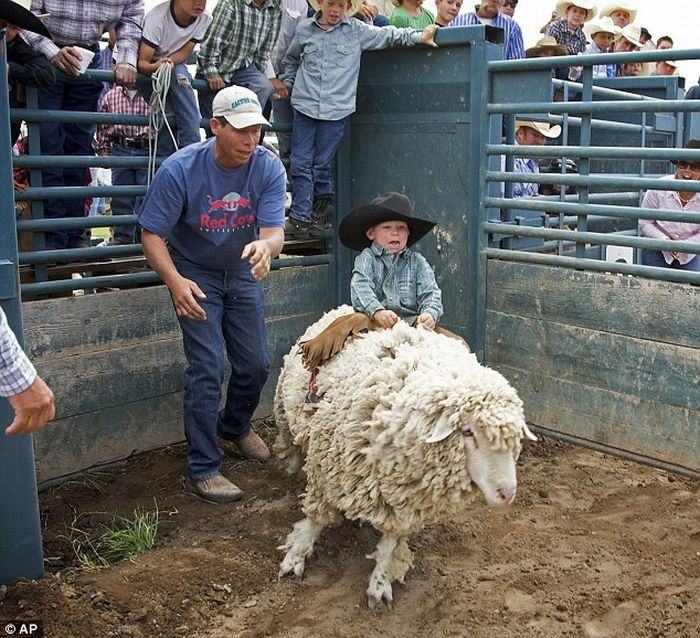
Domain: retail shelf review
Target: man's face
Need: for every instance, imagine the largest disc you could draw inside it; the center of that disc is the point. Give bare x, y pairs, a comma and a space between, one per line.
688, 170
620, 18
623, 45
663, 45
448, 10
527, 136
576, 16
333, 11
234, 146
508, 7
391, 235
664, 68
603, 40
11, 30
488, 9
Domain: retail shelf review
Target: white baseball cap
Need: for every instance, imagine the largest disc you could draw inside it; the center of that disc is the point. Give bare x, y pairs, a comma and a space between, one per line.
240, 107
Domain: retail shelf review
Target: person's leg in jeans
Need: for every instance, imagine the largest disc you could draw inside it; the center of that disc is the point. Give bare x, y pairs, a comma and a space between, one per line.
301, 167
246, 346
283, 114
183, 103
328, 137
251, 78
205, 97
129, 204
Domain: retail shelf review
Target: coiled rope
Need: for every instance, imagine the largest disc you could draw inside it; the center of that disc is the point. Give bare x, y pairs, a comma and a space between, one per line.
160, 82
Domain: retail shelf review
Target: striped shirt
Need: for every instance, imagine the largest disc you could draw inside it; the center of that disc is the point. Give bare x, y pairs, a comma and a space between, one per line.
525, 165
16, 371
241, 33
403, 282
117, 100
83, 22
513, 47
574, 41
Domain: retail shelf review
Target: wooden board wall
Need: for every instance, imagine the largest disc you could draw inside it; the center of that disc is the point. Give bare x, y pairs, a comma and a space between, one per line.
612, 359
115, 363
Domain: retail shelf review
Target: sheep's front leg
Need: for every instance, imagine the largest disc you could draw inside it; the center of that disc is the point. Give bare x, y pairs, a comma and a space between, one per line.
299, 545
380, 581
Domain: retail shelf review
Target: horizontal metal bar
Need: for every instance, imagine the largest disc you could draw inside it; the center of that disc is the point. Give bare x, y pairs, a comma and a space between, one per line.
95, 253
642, 183
75, 223
650, 272
605, 239
549, 246
592, 197
572, 208
577, 87
601, 125
79, 161
653, 106
613, 451
78, 192
501, 66
601, 152
572, 220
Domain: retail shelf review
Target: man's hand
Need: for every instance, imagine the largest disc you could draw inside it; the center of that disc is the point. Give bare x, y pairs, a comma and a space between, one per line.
257, 253
125, 74
33, 407
215, 83
183, 291
367, 11
427, 321
68, 61
428, 35
280, 87
385, 318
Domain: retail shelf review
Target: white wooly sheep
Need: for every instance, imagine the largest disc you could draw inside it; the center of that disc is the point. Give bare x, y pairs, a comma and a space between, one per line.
408, 420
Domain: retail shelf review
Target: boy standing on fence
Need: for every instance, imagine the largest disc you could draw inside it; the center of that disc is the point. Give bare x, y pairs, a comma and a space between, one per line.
170, 32
321, 69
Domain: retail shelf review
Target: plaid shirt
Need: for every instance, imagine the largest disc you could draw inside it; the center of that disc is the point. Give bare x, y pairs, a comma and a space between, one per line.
16, 371
83, 22
403, 282
574, 41
525, 165
117, 100
513, 47
241, 33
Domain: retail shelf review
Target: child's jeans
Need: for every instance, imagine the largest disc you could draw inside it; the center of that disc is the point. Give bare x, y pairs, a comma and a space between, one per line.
128, 204
314, 144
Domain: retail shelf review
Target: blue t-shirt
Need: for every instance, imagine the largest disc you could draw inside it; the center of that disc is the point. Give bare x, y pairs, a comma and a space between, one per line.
208, 213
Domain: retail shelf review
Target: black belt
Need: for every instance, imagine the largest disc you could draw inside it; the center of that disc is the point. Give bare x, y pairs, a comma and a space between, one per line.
133, 142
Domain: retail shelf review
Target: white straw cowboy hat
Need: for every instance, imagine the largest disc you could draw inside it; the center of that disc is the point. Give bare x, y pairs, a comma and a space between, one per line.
541, 127
545, 46
354, 6
590, 8
609, 9
632, 33
601, 25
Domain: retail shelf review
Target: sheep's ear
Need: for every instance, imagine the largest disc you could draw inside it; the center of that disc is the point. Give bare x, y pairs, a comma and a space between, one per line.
441, 429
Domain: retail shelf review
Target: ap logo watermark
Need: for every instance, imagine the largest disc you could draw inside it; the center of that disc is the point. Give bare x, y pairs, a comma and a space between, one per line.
23, 628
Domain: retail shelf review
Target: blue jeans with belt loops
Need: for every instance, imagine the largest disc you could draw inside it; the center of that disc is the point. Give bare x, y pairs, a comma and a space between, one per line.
235, 321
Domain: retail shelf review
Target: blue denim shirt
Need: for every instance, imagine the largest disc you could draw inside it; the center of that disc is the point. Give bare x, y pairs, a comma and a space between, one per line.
322, 66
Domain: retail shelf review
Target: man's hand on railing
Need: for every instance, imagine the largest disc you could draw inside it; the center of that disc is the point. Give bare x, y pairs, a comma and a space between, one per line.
281, 90
125, 74
215, 83
67, 60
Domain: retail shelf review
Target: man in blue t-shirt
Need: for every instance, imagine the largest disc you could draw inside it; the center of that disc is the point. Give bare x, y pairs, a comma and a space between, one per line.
212, 222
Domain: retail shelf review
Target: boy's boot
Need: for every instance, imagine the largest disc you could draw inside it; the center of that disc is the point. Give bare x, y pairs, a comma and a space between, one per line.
319, 214
296, 229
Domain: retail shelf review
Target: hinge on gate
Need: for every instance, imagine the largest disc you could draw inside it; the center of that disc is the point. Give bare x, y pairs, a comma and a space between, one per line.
8, 279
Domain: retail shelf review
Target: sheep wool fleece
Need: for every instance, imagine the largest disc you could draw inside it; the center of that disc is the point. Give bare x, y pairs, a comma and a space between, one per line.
364, 447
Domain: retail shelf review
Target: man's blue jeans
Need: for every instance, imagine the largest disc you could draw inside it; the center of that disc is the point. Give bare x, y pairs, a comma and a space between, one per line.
235, 320
655, 258
314, 144
67, 139
127, 205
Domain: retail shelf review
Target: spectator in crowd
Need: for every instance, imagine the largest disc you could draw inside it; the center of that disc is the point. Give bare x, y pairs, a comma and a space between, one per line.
28, 395
621, 13
645, 39
627, 41
446, 10
323, 90
686, 201
664, 42
369, 13
631, 70
293, 12
487, 12
546, 47
411, 13
107, 61
529, 133
72, 23
508, 7
170, 32
213, 277
124, 140
237, 49
602, 32
568, 31
693, 92
667, 67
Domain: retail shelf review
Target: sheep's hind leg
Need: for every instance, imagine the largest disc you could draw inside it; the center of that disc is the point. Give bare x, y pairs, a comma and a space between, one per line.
393, 561
299, 545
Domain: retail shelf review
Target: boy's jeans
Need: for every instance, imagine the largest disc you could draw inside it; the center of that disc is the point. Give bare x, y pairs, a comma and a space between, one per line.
182, 103
283, 114
125, 204
234, 307
314, 144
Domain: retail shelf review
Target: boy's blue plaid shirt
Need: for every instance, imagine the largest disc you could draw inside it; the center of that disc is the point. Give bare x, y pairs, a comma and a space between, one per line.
402, 282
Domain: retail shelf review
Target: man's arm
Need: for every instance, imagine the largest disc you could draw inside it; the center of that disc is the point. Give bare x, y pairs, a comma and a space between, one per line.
218, 36
128, 32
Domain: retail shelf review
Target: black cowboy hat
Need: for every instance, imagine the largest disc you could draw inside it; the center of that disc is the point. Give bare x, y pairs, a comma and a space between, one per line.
387, 207
18, 14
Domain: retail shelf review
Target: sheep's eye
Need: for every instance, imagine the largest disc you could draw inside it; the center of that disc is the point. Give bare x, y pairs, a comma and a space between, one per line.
467, 432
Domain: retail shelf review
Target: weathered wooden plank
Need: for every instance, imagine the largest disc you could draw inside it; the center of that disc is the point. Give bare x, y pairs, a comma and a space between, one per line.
632, 306
647, 427
668, 373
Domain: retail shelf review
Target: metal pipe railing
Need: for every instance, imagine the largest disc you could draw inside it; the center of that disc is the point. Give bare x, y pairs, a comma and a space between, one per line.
81, 161
598, 152
75, 223
654, 106
577, 87
645, 183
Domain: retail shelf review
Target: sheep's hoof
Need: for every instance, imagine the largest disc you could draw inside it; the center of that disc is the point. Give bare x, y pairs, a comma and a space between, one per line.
379, 591
292, 563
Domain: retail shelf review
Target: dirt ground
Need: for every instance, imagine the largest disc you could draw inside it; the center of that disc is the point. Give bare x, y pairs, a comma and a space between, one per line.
594, 546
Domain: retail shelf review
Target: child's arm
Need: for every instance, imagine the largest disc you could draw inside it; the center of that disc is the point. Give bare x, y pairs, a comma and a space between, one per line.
146, 53
362, 293
372, 37
290, 62
429, 294
182, 53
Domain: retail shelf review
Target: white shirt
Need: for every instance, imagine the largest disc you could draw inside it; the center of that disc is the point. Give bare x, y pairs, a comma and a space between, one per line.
166, 36
293, 11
